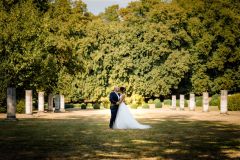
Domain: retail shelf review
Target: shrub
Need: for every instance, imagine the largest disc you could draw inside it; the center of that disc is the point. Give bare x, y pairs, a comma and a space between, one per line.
199, 101
134, 106
68, 105
96, 106
76, 105
137, 99
215, 100
234, 102
150, 101
83, 106
156, 101
167, 102
158, 104
105, 102
145, 105
3, 109
90, 106
20, 106
45, 105
128, 100
185, 103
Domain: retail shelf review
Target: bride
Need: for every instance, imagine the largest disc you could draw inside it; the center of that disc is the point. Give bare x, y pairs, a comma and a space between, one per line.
124, 118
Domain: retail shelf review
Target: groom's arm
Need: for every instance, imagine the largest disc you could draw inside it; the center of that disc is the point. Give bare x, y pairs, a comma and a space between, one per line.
111, 98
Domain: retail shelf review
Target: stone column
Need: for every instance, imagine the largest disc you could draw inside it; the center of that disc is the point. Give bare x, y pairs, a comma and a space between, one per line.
50, 102
181, 102
57, 103
223, 102
174, 102
11, 103
205, 102
28, 102
192, 104
62, 103
40, 101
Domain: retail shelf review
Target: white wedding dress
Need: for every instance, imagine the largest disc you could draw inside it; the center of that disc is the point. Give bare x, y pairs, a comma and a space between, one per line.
125, 120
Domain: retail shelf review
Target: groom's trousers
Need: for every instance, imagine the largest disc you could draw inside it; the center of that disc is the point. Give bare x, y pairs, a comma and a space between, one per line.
114, 109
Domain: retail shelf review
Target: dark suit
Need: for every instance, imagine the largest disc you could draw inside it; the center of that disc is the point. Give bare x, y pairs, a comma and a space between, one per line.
114, 107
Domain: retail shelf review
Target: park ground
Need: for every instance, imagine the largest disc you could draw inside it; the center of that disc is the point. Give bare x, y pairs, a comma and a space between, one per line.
84, 134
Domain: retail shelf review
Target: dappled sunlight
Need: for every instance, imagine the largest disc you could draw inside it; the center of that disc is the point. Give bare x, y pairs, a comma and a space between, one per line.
175, 142
114, 155
143, 142
232, 153
112, 144
74, 136
171, 150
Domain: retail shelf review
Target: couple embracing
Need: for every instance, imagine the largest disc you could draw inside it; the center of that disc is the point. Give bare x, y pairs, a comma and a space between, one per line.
121, 117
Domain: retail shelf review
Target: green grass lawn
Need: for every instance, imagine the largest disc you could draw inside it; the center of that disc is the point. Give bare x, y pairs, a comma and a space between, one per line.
89, 138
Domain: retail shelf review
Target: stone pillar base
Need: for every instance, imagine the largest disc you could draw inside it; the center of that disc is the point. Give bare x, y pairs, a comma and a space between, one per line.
57, 111
11, 119
62, 110
40, 112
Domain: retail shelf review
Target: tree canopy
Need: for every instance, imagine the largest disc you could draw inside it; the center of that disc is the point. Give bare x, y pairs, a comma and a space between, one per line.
152, 47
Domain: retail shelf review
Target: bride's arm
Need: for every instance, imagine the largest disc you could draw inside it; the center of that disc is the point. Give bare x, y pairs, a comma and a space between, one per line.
122, 99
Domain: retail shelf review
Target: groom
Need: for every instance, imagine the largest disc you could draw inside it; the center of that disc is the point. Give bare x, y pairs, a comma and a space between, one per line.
114, 98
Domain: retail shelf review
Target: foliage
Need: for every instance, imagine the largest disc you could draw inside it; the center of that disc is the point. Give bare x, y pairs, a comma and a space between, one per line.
137, 99
83, 106
111, 13
20, 106
89, 106
3, 109
234, 102
96, 106
215, 100
167, 102
158, 104
152, 48
150, 101
105, 102
128, 100
156, 100
145, 106
185, 102
75, 105
199, 101
134, 106
69, 106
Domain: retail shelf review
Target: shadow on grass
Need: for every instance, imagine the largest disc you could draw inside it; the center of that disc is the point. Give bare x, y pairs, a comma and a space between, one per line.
89, 138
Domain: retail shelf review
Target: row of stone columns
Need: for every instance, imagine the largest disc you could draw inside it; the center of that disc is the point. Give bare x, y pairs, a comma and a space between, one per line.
192, 102
11, 103
59, 102
58, 99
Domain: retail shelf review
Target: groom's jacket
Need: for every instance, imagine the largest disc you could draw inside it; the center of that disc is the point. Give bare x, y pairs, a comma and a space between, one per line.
113, 98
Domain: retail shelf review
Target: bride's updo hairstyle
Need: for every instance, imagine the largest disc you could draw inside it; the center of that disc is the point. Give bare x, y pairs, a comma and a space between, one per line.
122, 89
